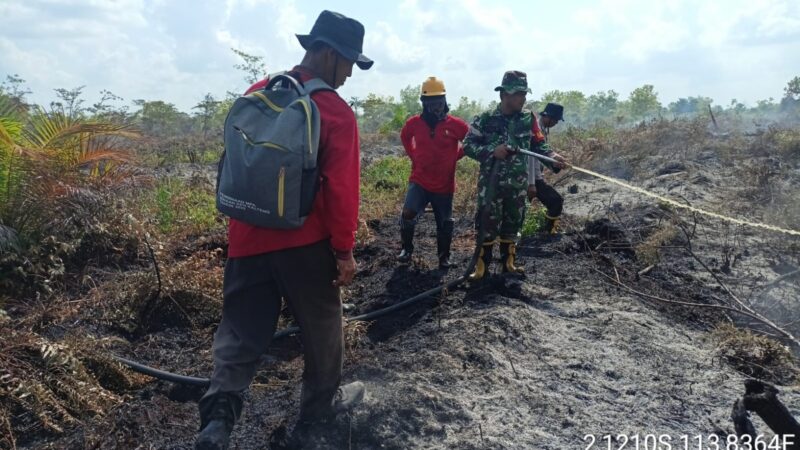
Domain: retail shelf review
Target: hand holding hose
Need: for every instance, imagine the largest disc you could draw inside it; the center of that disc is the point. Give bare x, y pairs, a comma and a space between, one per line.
560, 162
502, 151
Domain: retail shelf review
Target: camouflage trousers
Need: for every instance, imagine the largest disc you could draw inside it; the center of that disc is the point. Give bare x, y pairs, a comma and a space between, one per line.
506, 213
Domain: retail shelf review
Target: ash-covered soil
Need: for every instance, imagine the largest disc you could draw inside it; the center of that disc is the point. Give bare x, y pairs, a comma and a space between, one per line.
515, 362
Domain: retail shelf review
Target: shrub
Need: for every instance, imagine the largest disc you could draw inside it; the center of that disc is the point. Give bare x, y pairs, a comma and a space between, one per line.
182, 207
383, 184
534, 221
755, 356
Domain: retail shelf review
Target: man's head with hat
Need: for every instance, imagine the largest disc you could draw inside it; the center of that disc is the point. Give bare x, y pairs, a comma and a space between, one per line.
513, 90
434, 101
552, 114
333, 46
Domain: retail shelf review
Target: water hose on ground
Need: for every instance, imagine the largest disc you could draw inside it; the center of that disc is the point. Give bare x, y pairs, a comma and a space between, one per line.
453, 283
483, 215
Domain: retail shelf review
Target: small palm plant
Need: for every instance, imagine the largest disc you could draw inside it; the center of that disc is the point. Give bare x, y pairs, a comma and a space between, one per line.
48, 157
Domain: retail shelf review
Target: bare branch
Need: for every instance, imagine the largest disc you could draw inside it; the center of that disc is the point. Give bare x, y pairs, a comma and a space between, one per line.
753, 315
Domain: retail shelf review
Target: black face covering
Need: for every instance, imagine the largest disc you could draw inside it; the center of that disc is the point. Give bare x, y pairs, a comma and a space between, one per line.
434, 110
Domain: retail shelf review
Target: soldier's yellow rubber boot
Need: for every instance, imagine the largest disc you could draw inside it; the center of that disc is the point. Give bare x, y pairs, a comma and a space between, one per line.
483, 263
552, 224
508, 255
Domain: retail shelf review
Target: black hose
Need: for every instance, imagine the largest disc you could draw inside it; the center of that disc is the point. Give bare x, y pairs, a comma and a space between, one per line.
167, 376
482, 216
404, 303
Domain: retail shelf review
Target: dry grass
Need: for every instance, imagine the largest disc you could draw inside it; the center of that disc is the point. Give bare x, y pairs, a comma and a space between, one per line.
354, 333
785, 141
48, 387
770, 178
190, 295
373, 140
755, 356
383, 185
647, 251
466, 195
364, 234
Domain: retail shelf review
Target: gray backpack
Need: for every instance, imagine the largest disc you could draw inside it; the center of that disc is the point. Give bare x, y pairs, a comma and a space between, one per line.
268, 173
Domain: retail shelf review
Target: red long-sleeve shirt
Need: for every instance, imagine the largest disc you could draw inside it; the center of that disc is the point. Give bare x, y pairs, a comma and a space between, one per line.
434, 155
334, 214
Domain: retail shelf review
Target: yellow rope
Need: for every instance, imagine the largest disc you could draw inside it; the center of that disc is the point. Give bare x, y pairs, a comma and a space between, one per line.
685, 206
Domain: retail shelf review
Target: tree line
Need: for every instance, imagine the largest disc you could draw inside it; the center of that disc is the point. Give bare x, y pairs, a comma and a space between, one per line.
385, 114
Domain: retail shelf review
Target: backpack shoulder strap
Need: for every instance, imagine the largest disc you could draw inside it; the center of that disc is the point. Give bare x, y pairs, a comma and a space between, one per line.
275, 74
286, 80
316, 84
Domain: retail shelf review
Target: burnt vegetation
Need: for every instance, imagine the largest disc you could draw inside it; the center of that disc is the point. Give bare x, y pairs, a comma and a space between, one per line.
110, 244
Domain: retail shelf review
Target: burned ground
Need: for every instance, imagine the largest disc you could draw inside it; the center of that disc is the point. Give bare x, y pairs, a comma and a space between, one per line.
585, 343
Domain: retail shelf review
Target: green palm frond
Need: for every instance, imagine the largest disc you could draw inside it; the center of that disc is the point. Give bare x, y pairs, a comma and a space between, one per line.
10, 108
10, 131
49, 130
45, 129
10, 123
11, 164
45, 157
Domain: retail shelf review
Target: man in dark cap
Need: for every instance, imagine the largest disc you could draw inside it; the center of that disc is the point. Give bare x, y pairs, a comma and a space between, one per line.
304, 266
537, 186
494, 138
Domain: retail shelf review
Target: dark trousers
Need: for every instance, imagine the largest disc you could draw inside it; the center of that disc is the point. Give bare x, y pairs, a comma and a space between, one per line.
550, 198
416, 200
252, 291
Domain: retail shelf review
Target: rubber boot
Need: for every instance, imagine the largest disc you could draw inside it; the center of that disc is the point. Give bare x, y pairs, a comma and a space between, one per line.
218, 413
314, 432
407, 239
551, 224
483, 263
508, 253
348, 397
444, 238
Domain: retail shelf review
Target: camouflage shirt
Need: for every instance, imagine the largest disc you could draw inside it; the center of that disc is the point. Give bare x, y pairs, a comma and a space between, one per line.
492, 128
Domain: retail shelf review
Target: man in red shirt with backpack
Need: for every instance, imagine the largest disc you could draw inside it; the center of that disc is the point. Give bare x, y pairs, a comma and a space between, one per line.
304, 266
433, 142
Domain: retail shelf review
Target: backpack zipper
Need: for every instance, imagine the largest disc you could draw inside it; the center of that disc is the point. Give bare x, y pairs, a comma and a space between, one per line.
267, 101
308, 122
281, 182
260, 144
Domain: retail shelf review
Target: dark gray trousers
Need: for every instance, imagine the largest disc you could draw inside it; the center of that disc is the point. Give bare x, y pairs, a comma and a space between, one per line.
252, 291
550, 198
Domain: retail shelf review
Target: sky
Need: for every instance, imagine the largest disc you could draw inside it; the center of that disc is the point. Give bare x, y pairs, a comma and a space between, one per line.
179, 50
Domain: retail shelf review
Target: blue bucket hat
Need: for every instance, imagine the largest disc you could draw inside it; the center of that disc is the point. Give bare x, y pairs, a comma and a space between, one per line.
343, 34
553, 111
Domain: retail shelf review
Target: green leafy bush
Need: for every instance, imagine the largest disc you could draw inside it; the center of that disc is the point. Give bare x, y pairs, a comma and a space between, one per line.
179, 206
534, 221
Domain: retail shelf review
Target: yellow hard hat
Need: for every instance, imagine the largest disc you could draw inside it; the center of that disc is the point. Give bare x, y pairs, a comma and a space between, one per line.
432, 86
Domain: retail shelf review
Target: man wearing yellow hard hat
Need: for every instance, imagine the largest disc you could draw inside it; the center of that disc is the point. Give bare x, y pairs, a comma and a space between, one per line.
432, 140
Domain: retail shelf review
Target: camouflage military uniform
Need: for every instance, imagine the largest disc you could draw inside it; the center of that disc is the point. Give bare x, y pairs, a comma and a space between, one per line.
520, 131
490, 129
506, 212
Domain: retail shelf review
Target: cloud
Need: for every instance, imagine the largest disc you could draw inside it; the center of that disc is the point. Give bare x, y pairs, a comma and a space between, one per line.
399, 54
281, 19
177, 50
